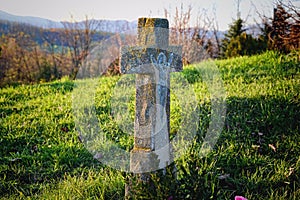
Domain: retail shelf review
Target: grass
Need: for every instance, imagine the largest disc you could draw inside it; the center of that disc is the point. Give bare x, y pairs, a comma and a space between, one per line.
256, 155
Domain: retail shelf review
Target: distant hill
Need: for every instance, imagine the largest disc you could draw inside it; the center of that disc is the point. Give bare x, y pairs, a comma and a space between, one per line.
34, 21
112, 26
44, 31
40, 28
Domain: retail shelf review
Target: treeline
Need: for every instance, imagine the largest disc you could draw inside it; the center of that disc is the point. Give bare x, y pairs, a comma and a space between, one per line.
40, 35
279, 33
30, 54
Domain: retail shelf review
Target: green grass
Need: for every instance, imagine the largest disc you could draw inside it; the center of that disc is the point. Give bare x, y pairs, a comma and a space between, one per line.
256, 156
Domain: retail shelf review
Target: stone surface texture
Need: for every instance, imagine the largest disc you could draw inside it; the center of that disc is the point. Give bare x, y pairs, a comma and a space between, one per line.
152, 60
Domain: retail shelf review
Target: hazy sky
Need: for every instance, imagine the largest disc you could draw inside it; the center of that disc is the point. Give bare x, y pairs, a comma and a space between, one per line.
60, 10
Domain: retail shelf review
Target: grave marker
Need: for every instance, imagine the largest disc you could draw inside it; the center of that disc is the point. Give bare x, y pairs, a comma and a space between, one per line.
152, 62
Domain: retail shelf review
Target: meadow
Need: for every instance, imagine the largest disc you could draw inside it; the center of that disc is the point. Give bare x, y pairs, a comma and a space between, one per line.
256, 155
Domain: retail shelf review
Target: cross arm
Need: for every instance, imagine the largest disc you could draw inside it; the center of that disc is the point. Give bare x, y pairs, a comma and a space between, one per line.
137, 60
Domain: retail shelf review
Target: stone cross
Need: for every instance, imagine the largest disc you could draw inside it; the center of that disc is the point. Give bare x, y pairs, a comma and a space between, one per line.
152, 61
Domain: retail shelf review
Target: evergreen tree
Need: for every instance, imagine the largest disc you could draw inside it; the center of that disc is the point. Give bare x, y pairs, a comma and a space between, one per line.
285, 34
238, 43
282, 32
235, 30
281, 28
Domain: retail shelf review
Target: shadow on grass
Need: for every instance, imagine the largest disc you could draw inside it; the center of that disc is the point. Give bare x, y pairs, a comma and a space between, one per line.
62, 86
256, 154
29, 161
24, 167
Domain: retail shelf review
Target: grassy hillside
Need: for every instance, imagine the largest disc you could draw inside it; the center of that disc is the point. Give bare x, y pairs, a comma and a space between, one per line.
257, 154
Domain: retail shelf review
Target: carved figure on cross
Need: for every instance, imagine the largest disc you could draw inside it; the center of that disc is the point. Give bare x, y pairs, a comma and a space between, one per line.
163, 68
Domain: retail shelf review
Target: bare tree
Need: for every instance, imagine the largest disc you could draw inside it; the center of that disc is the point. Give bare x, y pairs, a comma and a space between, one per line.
194, 34
217, 39
78, 37
52, 38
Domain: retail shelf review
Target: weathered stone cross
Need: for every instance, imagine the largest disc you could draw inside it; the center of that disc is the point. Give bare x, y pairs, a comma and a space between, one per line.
152, 61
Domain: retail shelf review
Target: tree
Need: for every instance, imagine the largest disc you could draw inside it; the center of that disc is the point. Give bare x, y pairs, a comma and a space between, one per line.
193, 34
51, 39
236, 29
78, 38
282, 31
238, 43
286, 27
230, 45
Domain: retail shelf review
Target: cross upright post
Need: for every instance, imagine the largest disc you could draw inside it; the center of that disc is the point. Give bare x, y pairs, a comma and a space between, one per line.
152, 61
